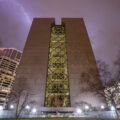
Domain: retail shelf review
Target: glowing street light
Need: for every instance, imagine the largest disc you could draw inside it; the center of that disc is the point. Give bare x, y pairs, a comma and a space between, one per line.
34, 110
1, 108
86, 107
11, 106
112, 108
27, 107
79, 111
102, 107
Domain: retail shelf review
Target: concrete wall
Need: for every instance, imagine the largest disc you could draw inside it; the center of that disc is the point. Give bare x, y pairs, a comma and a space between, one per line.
80, 59
33, 66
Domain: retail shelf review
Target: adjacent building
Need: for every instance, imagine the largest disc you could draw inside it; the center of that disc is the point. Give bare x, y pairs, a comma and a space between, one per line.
9, 61
59, 66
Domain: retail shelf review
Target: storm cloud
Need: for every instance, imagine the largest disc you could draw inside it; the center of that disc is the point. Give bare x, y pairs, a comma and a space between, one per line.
101, 18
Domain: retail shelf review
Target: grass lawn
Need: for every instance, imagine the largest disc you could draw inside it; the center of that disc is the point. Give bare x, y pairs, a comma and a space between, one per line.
56, 118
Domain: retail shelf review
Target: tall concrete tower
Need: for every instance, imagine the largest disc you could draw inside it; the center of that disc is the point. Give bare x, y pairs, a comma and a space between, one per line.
58, 64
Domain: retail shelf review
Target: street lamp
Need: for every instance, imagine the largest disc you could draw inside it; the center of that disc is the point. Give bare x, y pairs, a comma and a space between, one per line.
27, 107
112, 108
86, 107
34, 110
11, 106
79, 110
102, 107
1, 108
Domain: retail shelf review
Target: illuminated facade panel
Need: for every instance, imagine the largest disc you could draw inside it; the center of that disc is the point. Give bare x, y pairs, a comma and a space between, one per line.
57, 88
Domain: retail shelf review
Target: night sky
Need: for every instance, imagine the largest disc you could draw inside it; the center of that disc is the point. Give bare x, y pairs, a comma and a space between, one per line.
102, 19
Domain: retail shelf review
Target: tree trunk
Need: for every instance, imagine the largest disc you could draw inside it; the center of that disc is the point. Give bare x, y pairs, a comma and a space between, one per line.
117, 114
17, 106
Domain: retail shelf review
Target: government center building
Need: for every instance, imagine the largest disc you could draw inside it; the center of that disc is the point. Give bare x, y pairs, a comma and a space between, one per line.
58, 66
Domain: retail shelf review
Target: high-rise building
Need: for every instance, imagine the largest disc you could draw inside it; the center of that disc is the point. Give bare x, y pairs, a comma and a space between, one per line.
58, 64
9, 60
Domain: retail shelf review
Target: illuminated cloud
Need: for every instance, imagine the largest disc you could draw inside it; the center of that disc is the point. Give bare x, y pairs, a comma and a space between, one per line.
101, 19
14, 24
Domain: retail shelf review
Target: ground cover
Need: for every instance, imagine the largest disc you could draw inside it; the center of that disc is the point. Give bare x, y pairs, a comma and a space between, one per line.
57, 118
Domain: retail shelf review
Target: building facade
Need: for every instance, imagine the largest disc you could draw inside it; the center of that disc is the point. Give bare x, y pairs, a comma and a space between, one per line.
59, 66
9, 60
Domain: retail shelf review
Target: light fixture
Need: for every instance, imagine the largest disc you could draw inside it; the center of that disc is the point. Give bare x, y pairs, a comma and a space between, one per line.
112, 108
102, 106
27, 107
11, 106
34, 110
86, 107
79, 110
1, 108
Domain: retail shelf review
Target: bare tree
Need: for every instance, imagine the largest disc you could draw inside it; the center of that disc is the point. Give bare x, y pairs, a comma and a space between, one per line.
82, 105
104, 72
117, 64
112, 96
92, 78
111, 83
112, 90
20, 97
97, 80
